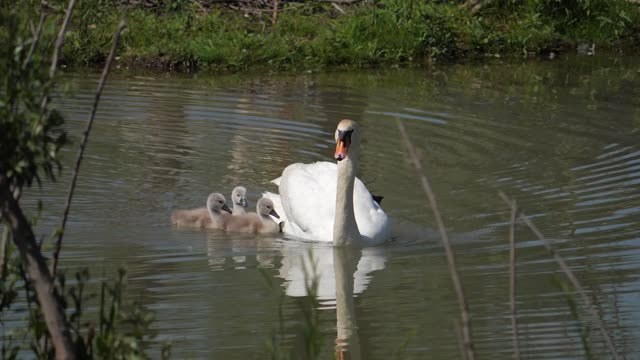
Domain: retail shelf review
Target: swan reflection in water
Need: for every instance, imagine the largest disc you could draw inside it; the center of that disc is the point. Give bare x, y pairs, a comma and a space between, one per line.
299, 258
341, 273
292, 259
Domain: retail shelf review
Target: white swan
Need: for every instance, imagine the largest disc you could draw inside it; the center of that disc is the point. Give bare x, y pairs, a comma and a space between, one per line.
326, 202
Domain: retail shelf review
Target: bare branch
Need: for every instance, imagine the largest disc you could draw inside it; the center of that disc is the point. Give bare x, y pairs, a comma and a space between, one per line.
512, 279
83, 144
60, 39
457, 284
274, 17
4, 255
56, 55
572, 278
38, 272
36, 37
337, 7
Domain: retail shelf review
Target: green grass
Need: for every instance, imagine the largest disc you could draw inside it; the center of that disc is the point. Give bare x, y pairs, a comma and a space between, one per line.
313, 35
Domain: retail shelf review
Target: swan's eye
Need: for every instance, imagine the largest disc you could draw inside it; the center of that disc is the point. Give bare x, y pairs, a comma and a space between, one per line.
220, 201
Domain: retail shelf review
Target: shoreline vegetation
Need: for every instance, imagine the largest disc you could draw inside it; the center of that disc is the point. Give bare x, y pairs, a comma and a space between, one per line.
240, 35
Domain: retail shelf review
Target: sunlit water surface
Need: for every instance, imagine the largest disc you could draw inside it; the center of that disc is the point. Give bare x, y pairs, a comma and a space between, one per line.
561, 137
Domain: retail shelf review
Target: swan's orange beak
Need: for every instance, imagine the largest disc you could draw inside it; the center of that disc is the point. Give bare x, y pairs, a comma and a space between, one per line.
342, 146
341, 150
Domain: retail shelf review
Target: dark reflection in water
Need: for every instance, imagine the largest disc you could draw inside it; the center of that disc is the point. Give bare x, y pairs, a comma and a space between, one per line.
561, 137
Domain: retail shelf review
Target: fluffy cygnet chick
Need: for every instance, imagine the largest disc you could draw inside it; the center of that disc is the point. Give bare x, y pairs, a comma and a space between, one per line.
258, 222
210, 217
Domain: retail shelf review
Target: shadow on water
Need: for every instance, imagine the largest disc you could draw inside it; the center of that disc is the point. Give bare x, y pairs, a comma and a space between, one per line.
561, 137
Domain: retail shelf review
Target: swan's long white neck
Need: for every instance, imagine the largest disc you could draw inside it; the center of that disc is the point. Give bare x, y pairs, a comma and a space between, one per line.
345, 228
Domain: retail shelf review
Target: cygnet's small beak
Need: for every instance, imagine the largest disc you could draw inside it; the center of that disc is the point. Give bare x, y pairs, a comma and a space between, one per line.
244, 202
226, 208
274, 213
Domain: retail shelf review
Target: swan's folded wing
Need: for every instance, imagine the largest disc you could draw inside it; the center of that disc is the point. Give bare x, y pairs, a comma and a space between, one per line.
373, 223
308, 193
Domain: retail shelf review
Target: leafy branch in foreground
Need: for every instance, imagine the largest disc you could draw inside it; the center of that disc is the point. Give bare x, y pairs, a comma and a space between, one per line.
31, 136
122, 330
29, 142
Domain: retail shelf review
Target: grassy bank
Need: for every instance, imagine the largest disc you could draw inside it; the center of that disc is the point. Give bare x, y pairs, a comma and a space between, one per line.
184, 35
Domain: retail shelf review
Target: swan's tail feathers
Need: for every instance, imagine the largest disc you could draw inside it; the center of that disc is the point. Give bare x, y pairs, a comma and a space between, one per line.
377, 198
277, 181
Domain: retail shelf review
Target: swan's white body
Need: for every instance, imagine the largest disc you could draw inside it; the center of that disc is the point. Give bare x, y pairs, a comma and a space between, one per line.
326, 202
308, 207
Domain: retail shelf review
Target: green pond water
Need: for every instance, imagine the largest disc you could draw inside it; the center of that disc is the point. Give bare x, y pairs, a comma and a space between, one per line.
562, 137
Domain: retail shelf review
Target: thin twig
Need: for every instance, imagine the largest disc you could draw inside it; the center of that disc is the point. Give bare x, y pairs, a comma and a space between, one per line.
36, 37
477, 7
39, 346
337, 7
83, 144
202, 9
56, 55
27, 285
4, 256
60, 39
512, 279
457, 284
572, 278
459, 342
275, 13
